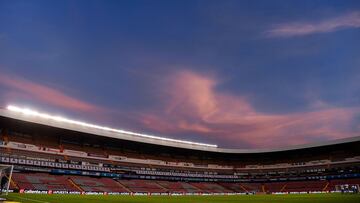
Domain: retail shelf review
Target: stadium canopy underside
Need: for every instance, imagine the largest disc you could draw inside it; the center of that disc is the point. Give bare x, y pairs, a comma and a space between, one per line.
36, 124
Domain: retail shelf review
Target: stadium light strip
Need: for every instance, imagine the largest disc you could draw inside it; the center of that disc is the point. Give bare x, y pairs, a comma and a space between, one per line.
29, 112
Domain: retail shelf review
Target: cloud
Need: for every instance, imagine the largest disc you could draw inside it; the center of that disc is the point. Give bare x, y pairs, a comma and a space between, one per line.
193, 105
22, 88
293, 29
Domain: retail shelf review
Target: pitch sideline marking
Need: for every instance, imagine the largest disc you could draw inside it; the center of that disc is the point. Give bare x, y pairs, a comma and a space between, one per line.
33, 200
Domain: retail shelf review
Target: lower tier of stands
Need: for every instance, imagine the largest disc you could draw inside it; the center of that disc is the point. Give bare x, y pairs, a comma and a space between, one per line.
88, 184
142, 186
179, 187
43, 181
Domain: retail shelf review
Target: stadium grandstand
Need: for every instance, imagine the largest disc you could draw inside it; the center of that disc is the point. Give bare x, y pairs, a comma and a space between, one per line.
57, 155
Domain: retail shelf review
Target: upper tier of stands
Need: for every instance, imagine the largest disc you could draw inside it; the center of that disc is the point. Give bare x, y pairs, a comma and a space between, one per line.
103, 157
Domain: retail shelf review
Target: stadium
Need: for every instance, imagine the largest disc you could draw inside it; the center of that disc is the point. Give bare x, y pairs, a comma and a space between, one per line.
179, 101
52, 156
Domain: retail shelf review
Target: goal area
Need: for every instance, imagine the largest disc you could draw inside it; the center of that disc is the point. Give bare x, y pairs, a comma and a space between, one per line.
5, 178
348, 188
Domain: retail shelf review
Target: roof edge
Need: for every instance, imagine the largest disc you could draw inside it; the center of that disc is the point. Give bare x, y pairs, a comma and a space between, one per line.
122, 136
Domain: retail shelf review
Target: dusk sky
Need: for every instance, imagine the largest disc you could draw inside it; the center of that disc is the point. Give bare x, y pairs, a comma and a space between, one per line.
239, 74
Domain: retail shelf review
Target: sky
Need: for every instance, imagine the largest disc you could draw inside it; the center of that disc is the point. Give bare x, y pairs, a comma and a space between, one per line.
239, 74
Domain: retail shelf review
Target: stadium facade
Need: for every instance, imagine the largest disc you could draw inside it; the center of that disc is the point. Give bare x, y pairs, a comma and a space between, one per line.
57, 155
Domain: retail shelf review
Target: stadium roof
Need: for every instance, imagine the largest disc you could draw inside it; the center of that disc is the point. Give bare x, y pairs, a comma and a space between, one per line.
32, 116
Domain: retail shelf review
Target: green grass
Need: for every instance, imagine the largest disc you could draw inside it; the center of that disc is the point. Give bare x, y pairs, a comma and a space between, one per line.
307, 198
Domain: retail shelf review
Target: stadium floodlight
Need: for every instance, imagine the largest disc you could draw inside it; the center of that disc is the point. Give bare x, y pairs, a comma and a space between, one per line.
30, 112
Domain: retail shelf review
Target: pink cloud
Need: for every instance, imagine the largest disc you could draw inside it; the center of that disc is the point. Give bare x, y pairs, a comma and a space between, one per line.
349, 20
194, 106
25, 88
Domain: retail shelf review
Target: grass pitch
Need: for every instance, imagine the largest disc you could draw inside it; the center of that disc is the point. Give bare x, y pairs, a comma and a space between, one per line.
306, 198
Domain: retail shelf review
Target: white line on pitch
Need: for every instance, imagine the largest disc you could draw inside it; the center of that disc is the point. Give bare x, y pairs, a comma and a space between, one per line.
33, 200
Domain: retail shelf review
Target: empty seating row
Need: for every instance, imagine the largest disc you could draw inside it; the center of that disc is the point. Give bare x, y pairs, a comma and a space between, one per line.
304, 186
89, 184
243, 187
211, 188
179, 187
143, 186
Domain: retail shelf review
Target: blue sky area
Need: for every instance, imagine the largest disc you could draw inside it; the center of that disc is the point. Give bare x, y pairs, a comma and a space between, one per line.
245, 74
